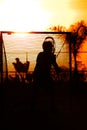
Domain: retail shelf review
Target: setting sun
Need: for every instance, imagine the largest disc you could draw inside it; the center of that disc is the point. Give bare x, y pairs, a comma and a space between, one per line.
23, 15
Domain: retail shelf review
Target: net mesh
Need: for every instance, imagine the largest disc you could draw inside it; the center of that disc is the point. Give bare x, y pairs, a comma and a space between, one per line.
26, 48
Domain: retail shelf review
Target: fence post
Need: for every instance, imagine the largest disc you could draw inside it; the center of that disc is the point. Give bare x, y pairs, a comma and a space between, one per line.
1, 59
70, 58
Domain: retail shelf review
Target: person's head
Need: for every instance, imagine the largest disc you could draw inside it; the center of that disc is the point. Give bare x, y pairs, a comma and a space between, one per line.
50, 44
47, 46
17, 59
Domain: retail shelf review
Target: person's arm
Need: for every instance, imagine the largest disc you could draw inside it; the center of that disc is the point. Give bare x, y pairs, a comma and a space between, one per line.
57, 68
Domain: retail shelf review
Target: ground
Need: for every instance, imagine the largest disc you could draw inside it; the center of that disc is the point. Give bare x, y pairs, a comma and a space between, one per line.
70, 107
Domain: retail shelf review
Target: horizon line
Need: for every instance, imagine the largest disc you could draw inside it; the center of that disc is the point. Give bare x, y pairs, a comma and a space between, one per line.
35, 32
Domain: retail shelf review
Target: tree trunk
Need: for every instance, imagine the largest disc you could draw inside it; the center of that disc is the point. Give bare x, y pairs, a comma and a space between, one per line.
75, 76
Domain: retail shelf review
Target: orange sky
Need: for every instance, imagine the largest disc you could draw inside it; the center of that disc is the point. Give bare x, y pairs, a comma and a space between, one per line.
25, 15
80, 6
37, 15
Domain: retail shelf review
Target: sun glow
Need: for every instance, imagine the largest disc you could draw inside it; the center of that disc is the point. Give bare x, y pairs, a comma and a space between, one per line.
25, 15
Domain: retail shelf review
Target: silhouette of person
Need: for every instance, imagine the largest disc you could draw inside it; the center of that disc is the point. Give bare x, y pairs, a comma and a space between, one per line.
45, 60
21, 68
42, 75
18, 65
